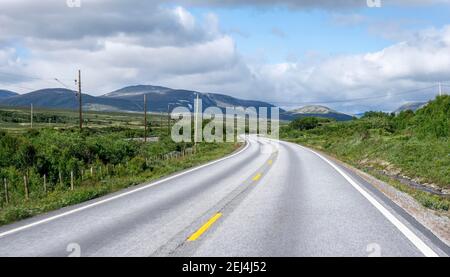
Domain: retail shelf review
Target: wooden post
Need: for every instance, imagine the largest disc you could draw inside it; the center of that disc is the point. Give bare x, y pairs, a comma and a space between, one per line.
45, 183
168, 119
80, 108
6, 190
25, 183
145, 117
31, 117
71, 180
92, 171
60, 178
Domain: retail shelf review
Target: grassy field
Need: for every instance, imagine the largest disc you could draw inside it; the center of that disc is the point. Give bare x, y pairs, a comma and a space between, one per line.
55, 165
408, 146
18, 120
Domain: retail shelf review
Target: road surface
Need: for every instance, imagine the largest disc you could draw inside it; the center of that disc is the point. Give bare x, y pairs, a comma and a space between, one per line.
269, 199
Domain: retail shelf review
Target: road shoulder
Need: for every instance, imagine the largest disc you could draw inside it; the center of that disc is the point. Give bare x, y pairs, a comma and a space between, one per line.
437, 224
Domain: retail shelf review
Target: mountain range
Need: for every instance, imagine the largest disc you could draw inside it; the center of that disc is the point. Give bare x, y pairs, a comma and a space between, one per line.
319, 111
160, 99
413, 106
6, 94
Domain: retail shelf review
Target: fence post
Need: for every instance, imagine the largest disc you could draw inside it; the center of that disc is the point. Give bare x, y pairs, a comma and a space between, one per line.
92, 171
71, 180
45, 183
6, 190
25, 183
60, 179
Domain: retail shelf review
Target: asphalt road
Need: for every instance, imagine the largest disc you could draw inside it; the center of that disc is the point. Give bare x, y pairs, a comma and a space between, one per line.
269, 199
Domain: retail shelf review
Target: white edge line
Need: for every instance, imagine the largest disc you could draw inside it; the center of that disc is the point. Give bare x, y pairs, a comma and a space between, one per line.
120, 195
425, 249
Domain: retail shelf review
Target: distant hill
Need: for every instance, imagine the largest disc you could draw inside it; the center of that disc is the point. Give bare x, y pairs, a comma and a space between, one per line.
59, 98
319, 111
161, 97
130, 99
315, 109
6, 94
359, 115
413, 106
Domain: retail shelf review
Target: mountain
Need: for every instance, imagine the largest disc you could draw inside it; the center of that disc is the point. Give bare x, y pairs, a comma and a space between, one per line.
6, 94
130, 99
319, 111
413, 106
162, 98
59, 98
313, 109
133, 91
359, 115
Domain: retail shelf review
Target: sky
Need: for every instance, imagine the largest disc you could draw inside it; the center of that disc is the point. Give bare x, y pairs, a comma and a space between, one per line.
341, 53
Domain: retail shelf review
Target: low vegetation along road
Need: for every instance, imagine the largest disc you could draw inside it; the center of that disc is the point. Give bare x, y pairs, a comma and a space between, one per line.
268, 199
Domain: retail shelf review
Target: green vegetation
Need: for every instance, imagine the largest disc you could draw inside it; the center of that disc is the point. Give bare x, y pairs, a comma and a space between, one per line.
412, 145
103, 158
17, 120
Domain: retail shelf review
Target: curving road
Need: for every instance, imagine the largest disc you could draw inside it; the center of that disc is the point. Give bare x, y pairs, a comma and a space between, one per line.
269, 199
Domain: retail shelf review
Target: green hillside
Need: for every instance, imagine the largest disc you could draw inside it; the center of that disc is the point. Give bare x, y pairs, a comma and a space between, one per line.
55, 165
409, 147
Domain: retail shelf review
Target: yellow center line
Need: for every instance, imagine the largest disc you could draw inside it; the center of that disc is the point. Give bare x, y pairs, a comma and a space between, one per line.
205, 227
257, 177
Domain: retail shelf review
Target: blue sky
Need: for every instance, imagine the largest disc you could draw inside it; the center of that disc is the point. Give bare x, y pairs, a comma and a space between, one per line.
306, 31
294, 53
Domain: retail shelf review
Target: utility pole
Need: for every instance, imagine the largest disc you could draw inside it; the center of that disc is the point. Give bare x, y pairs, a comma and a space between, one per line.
168, 117
196, 124
31, 116
145, 117
80, 108
440, 89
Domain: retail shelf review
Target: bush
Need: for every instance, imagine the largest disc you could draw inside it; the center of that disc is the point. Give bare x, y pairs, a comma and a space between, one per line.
306, 123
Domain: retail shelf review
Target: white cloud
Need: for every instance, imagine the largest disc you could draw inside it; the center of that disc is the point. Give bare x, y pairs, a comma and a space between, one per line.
407, 65
119, 46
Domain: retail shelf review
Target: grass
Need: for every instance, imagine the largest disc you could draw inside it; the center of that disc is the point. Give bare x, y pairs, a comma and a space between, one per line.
427, 162
17, 120
55, 144
91, 189
408, 146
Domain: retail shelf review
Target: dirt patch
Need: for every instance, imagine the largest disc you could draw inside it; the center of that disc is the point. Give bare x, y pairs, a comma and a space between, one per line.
389, 170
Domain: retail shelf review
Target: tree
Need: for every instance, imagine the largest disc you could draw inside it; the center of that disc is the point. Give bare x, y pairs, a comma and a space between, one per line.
306, 123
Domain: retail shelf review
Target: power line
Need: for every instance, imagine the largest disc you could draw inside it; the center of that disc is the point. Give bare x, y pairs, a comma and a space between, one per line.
21, 76
352, 99
30, 76
64, 85
21, 87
